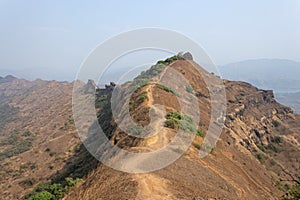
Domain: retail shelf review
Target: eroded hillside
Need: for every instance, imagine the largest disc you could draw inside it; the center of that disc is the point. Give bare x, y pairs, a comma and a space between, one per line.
256, 157
37, 135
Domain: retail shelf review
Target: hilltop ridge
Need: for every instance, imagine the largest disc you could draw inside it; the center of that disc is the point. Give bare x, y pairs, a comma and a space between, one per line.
256, 156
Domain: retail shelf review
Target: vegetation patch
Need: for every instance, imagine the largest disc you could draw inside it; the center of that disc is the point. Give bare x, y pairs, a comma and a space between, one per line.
272, 147
200, 133
27, 182
231, 101
17, 143
27, 165
277, 139
259, 157
177, 120
52, 191
142, 97
100, 101
145, 76
293, 192
238, 98
189, 89
136, 130
261, 147
167, 89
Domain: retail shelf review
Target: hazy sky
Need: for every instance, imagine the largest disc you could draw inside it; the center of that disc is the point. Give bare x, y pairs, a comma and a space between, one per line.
50, 39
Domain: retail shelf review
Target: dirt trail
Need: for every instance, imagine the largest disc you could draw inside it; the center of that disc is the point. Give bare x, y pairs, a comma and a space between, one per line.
151, 186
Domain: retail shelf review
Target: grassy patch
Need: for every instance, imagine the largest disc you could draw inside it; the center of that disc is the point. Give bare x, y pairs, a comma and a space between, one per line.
177, 120
167, 89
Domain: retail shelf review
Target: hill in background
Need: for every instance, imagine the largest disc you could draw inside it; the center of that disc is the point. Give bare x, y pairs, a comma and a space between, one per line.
279, 75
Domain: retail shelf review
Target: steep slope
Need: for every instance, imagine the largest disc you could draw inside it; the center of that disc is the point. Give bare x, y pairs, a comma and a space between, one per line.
257, 153
37, 133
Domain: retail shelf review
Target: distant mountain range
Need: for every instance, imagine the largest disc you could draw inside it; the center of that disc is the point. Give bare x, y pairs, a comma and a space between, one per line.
279, 75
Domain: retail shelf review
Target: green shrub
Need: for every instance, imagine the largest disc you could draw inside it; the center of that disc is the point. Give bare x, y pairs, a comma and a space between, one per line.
131, 106
27, 182
259, 157
261, 147
187, 126
293, 192
136, 130
231, 101
142, 97
181, 121
167, 89
272, 148
26, 134
238, 98
27, 165
53, 191
277, 139
171, 123
70, 182
200, 133
198, 146
171, 59
42, 196
189, 89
